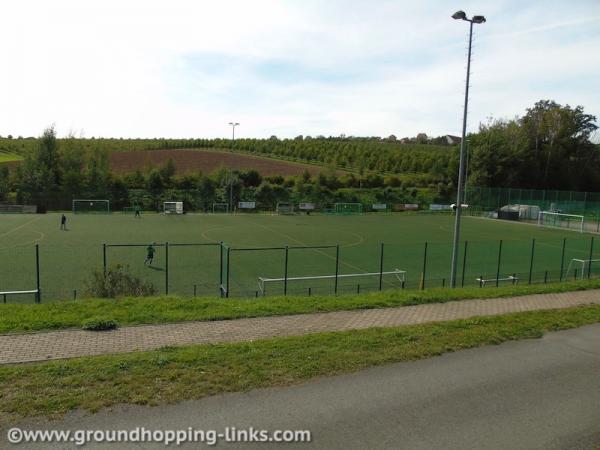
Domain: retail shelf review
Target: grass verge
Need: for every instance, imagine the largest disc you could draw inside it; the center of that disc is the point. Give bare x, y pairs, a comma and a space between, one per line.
174, 374
152, 310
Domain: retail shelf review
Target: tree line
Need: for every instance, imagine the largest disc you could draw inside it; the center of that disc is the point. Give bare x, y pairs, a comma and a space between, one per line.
56, 171
549, 147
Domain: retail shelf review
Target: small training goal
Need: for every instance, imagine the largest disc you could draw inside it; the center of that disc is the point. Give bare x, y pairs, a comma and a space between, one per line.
581, 268
398, 278
348, 208
284, 208
561, 220
91, 206
220, 208
173, 207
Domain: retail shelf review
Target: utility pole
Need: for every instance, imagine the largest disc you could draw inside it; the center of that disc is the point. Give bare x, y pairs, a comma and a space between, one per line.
233, 125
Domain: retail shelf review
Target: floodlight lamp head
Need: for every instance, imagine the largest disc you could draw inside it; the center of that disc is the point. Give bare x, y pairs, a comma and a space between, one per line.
459, 15
478, 19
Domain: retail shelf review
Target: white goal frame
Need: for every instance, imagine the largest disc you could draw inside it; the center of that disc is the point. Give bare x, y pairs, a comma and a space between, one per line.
400, 275
558, 216
288, 205
584, 264
93, 200
336, 207
178, 207
226, 205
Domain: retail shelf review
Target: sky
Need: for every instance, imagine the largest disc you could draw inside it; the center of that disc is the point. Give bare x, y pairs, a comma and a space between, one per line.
186, 68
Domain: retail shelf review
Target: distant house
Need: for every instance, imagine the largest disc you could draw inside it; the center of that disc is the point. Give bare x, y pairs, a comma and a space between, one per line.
405, 140
452, 140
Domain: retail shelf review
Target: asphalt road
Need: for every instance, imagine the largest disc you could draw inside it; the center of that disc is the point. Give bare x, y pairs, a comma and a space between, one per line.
542, 393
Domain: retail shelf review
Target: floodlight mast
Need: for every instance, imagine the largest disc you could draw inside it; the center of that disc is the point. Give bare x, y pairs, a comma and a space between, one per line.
233, 125
461, 15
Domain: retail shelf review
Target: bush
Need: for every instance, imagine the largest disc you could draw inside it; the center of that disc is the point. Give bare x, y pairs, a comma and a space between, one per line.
117, 282
99, 324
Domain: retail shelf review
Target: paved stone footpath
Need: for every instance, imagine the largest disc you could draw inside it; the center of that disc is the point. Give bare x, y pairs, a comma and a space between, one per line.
18, 348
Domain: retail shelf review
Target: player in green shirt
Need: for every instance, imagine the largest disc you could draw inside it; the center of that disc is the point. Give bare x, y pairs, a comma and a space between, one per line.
150, 250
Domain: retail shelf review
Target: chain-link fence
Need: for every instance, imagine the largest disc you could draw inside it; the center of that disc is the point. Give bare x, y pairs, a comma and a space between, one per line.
20, 275
187, 269
571, 202
47, 273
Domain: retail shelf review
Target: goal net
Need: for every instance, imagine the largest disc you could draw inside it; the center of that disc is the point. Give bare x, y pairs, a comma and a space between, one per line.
581, 268
173, 207
220, 208
348, 208
91, 206
561, 220
389, 279
285, 208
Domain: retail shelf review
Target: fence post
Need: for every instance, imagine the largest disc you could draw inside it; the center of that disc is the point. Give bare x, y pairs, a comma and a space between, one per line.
221, 265
285, 276
562, 259
424, 272
589, 274
227, 274
531, 261
166, 268
104, 258
38, 295
462, 283
499, 259
598, 222
545, 277
337, 267
381, 268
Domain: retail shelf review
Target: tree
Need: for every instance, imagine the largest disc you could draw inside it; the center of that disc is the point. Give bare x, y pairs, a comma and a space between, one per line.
40, 172
548, 148
4, 182
167, 171
251, 178
72, 162
559, 144
97, 172
155, 182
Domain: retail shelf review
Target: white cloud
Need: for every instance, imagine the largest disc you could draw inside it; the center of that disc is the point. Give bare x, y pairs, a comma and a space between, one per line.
186, 68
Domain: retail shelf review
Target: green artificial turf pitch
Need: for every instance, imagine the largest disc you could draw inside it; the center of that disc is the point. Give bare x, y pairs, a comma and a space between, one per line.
67, 258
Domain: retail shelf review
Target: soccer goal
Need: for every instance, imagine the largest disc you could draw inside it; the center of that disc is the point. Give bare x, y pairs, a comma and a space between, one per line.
285, 208
173, 207
398, 277
561, 220
91, 206
580, 268
348, 208
220, 208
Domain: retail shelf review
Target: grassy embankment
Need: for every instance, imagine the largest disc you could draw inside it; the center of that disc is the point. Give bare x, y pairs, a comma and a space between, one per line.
135, 311
170, 374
